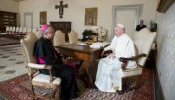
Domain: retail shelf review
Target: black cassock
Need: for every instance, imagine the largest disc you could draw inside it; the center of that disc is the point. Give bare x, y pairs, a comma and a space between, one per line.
44, 49
138, 27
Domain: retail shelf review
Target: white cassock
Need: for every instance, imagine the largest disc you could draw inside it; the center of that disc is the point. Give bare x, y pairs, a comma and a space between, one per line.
109, 69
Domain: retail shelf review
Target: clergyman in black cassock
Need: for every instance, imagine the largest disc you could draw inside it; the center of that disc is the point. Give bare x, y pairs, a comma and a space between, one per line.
44, 50
140, 26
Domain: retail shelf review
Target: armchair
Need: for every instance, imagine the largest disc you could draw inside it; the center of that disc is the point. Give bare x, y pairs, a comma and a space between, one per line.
20, 30
37, 78
59, 38
73, 37
24, 30
38, 34
143, 41
17, 30
10, 30
13, 29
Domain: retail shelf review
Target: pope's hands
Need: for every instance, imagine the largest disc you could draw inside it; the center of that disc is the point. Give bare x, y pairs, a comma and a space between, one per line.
102, 53
111, 55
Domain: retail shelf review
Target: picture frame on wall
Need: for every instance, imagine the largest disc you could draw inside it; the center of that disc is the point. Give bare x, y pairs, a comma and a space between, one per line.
91, 16
43, 17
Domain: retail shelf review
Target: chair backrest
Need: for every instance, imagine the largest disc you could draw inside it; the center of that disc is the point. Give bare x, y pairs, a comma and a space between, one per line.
13, 29
24, 30
28, 46
59, 38
143, 41
17, 30
73, 37
7, 29
34, 30
29, 29
10, 28
20, 30
38, 34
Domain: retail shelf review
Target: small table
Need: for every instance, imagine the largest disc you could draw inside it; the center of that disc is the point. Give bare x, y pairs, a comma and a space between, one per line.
85, 53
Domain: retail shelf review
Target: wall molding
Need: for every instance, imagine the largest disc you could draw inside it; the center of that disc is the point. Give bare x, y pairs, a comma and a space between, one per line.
164, 5
28, 14
137, 7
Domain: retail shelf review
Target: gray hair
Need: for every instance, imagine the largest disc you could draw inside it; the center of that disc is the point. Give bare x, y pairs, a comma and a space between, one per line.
46, 30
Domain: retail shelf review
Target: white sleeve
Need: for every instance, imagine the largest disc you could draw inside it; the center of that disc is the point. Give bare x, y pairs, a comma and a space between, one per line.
129, 52
110, 46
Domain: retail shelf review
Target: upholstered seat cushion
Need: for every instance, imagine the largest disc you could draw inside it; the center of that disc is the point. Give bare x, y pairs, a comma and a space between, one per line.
46, 78
132, 71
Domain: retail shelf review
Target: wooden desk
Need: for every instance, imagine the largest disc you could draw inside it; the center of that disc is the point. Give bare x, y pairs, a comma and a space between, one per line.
85, 53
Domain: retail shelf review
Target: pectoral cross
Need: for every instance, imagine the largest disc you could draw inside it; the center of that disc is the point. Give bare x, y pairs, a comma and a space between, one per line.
61, 6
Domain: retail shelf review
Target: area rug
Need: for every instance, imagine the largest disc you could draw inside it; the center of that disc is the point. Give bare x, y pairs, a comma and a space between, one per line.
18, 88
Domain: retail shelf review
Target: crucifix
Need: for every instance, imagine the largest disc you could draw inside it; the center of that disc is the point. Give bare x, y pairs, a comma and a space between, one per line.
61, 6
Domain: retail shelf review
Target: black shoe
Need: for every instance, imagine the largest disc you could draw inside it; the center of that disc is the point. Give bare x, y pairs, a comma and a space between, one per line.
94, 86
76, 95
120, 92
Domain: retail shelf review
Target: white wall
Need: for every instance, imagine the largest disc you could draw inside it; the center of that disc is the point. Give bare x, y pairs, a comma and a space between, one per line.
76, 9
166, 51
10, 6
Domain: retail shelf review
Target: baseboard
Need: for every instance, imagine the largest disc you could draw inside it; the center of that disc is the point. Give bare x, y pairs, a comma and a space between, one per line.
158, 89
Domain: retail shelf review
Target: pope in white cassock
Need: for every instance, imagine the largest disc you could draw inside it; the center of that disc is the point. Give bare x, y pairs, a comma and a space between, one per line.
108, 78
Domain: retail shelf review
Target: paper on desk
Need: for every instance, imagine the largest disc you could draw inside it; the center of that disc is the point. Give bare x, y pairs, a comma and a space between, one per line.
94, 46
81, 44
99, 44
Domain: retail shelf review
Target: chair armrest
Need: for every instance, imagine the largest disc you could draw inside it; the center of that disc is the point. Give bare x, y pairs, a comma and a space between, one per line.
42, 66
37, 66
125, 60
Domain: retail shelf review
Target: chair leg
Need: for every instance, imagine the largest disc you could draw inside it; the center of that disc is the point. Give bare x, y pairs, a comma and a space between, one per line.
120, 92
32, 90
58, 93
138, 79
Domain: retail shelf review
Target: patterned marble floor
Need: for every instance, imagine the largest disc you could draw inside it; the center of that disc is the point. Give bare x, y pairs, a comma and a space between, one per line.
12, 62
5, 41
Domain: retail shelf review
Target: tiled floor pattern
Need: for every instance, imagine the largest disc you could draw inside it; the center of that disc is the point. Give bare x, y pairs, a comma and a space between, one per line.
12, 62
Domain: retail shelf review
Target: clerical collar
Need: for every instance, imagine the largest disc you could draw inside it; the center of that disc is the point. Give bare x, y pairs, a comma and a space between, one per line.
121, 35
46, 39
